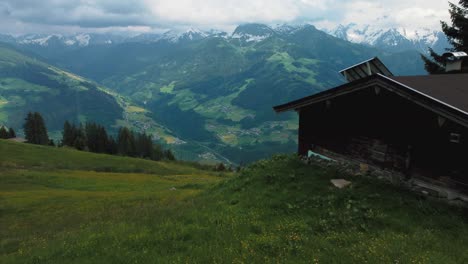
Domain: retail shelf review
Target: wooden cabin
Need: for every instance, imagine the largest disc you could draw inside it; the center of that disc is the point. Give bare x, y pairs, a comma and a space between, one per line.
416, 125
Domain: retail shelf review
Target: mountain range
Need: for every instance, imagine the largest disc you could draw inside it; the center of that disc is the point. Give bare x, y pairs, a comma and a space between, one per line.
392, 39
384, 38
207, 94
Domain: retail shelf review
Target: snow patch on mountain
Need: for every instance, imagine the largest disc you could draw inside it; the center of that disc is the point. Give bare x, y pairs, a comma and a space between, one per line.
391, 39
190, 34
285, 29
250, 37
83, 39
252, 32
36, 39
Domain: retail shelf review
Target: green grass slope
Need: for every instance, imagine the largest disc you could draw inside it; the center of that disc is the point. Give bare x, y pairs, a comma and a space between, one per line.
27, 84
274, 211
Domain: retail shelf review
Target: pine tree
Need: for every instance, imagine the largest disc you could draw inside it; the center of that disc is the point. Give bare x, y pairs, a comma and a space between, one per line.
157, 153
169, 155
28, 128
111, 147
80, 142
11, 133
457, 35
3, 132
91, 136
43, 137
126, 142
35, 130
68, 134
144, 145
102, 139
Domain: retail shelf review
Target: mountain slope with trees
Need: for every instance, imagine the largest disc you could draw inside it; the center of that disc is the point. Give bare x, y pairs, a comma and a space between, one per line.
30, 85
217, 90
210, 95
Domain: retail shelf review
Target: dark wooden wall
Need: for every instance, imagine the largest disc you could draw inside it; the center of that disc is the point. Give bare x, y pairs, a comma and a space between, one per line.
385, 129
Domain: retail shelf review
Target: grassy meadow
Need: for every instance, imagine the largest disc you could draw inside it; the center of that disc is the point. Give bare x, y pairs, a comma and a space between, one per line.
66, 206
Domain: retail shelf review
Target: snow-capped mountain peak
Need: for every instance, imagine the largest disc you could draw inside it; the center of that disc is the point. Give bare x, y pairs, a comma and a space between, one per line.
175, 36
289, 29
77, 40
391, 39
252, 32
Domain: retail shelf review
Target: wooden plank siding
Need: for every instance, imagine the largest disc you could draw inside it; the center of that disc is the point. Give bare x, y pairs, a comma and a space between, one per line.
383, 128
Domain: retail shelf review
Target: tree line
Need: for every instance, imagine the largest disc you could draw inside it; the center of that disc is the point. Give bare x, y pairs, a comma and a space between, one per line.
93, 137
6, 134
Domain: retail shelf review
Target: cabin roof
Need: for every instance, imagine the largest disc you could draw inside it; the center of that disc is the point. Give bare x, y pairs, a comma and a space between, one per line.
447, 90
451, 89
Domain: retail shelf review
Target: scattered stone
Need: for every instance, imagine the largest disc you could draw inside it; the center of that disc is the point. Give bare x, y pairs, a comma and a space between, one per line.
363, 168
340, 183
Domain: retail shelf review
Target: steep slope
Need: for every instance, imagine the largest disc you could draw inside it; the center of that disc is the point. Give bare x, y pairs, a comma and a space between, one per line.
27, 84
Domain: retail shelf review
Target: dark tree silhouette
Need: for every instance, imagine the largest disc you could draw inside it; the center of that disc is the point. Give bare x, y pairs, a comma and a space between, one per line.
3, 132
35, 130
11, 133
457, 35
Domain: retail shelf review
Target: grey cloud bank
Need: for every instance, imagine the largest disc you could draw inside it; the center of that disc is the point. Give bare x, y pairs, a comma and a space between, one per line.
32, 16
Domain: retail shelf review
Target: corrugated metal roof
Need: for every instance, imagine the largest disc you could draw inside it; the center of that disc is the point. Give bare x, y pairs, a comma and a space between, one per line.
365, 69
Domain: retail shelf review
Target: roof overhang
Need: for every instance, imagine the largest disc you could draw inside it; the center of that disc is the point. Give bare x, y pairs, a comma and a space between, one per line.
457, 115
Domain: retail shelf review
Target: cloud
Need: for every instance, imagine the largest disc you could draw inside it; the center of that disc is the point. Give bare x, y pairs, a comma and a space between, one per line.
101, 14
224, 12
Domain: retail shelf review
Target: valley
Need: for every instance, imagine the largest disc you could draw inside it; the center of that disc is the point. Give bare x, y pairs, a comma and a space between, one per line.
207, 95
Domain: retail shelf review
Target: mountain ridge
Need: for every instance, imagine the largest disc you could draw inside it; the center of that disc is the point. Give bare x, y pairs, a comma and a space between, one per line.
392, 39
385, 38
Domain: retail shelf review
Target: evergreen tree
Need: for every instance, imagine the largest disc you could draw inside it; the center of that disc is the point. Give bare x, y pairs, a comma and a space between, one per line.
97, 139
169, 155
91, 136
68, 134
144, 146
11, 133
102, 139
111, 147
35, 130
158, 153
457, 35
126, 142
80, 141
3, 132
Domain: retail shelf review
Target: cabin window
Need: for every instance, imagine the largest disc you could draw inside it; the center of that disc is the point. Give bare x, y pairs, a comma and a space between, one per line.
455, 137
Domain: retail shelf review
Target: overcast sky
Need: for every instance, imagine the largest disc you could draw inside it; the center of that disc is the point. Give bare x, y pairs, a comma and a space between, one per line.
70, 16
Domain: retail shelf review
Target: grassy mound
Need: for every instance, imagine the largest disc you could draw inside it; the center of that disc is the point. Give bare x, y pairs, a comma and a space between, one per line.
274, 211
